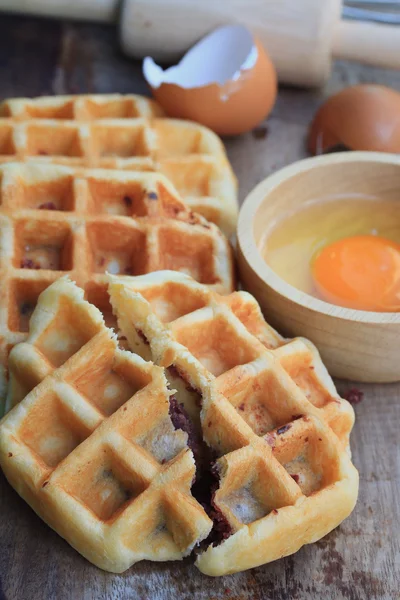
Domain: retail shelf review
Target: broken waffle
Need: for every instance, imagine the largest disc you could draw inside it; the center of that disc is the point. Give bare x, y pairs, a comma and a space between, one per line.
82, 107
190, 155
276, 492
171, 319
267, 409
56, 220
93, 448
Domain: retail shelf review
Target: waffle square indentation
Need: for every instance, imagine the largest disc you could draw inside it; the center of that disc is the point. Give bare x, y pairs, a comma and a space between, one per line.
43, 244
191, 178
252, 492
63, 110
106, 382
119, 108
45, 140
67, 333
119, 142
300, 366
174, 141
120, 250
52, 430
262, 399
216, 344
172, 300
304, 453
117, 198
108, 488
56, 194
189, 252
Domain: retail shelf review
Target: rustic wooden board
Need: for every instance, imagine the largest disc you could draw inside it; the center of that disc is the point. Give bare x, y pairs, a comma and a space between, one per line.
358, 561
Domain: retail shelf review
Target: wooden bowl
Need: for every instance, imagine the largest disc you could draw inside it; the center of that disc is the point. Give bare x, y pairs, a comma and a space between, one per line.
354, 344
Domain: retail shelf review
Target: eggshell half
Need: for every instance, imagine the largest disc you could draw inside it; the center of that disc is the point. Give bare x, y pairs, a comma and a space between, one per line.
361, 117
226, 82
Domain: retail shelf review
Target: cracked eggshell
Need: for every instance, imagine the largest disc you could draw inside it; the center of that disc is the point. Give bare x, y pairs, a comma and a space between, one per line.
360, 117
226, 82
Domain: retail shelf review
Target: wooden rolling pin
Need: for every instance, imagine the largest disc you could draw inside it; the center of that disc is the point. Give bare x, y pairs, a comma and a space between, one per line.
301, 36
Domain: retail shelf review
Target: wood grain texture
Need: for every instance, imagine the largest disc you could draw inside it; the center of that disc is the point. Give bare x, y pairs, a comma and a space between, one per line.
290, 31
358, 561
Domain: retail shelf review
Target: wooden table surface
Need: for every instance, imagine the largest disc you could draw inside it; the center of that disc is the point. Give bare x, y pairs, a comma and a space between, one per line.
360, 560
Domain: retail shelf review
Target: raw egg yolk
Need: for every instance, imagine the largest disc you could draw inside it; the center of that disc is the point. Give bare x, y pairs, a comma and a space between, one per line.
361, 272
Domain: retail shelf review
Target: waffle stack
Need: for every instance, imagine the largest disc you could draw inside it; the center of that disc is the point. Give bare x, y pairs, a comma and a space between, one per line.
94, 449
266, 409
241, 442
122, 132
56, 220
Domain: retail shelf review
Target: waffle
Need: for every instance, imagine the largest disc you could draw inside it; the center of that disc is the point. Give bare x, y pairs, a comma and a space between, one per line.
176, 322
93, 448
190, 155
284, 478
56, 219
81, 107
276, 492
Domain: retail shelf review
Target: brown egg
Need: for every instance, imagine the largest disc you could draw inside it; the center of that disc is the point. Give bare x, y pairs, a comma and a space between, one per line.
362, 117
229, 108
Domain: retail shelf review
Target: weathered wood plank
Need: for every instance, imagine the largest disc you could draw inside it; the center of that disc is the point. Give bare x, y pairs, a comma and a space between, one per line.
358, 561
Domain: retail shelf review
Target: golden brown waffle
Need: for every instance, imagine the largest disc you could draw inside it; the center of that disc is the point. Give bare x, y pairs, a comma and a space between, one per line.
93, 448
190, 155
56, 220
83, 107
278, 491
285, 478
171, 319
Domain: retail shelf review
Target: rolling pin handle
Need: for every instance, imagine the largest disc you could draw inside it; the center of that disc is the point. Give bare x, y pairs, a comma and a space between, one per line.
369, 43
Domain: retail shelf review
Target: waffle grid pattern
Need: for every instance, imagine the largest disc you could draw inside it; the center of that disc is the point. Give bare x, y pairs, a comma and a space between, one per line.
56, 220
277, 491
191, 156
285, 479
91, 107
93, 449
184, 323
